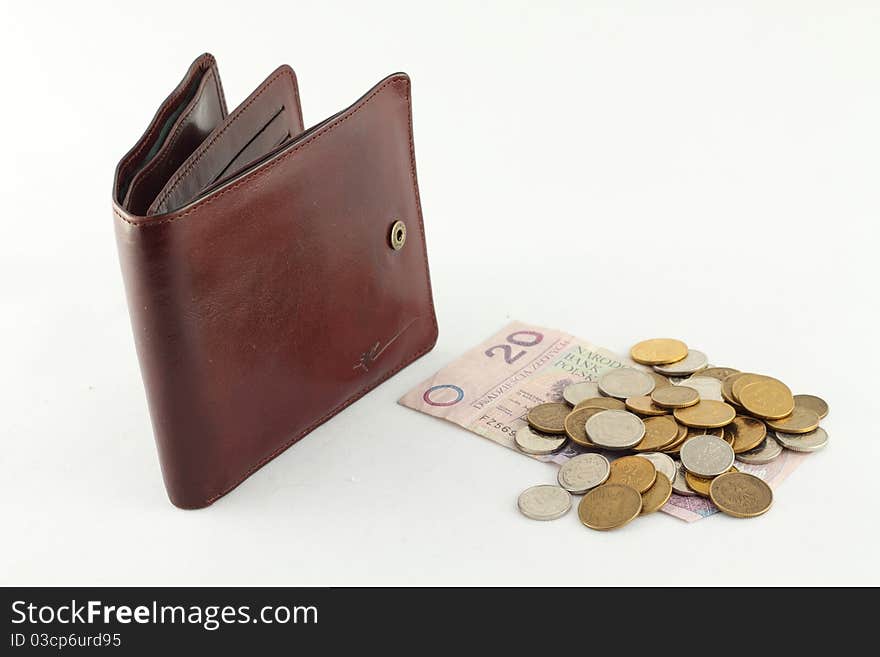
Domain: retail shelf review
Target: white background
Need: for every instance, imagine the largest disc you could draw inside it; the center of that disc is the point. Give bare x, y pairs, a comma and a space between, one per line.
618, 170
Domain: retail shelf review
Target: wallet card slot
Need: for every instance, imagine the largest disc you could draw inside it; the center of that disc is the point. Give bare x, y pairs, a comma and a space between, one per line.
253, 149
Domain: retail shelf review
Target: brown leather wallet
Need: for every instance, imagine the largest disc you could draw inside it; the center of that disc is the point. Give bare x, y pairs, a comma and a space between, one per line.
273, 275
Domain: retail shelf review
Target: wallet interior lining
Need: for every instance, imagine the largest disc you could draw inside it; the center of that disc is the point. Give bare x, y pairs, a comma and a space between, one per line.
162, 135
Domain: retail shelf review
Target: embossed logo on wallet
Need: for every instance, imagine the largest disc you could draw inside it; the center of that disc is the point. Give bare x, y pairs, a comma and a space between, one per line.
372, 355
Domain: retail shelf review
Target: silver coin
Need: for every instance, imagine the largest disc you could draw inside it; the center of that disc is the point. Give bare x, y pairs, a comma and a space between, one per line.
664, 464
578, 392
708, 387
626, 382
706, 456
581, 473
534, 442
615, 429
768, 450
679, 484
544, 502
695, 360
804, 442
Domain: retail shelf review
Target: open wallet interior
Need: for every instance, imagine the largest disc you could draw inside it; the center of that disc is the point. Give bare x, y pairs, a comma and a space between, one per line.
193, 145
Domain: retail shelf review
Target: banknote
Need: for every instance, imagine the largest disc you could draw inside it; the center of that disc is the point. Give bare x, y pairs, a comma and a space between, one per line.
490, 389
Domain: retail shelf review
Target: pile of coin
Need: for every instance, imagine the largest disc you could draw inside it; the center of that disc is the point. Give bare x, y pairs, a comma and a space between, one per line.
709, 417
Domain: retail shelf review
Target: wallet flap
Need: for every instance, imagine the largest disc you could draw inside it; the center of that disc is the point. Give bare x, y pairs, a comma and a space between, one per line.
194, 91
196, 120
271, 303
267, 118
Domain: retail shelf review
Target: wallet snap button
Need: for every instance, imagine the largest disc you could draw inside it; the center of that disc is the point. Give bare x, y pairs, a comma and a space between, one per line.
398, 235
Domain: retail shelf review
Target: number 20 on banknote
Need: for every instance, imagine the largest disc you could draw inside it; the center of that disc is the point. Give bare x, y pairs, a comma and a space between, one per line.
515, 346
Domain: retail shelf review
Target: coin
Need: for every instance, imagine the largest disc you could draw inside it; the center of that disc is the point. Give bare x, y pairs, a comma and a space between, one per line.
740, 495
663, 464
609, 506
575, 425
767, 398
675, 397
679, 484
644, 406
615, 429
706, 456
633, 471
813, 403
674, 446
544, 502
707, 414
700, 485
578, 392
583, 472
657, 495
727, 387
742, 381
659, 351
660, 381
768, 450
609, 403
533, 442
694, 361
719, 373
625, 382
659, 432
746, 432
549, 418
707, 386
801, 420
805, 442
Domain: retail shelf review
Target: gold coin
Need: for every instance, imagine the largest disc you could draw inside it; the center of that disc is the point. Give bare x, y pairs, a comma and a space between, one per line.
633, 471
742, 381
740, 495
700, 485
719, 373
609, 506
575, 425
767, 398
659, 432
747, 433
801, 420
549, 418
657, 495
608, 403
727, 387
676, 444
659, 351
644, 406
660, 381
813, 403
675, 397
706, 415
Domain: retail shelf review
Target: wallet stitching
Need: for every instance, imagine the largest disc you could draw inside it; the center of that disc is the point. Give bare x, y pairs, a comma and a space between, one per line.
406, 360
255, 176
166, 151
160, 119
213, 141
